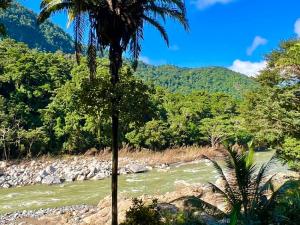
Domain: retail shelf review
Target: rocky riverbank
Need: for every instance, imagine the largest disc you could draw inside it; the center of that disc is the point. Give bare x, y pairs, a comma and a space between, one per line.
57, 171
63, 215
94, 215
95, 166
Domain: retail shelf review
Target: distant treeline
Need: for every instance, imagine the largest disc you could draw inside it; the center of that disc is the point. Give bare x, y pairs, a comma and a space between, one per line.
48, 104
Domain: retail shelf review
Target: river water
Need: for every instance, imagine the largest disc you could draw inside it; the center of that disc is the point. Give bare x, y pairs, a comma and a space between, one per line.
90, 192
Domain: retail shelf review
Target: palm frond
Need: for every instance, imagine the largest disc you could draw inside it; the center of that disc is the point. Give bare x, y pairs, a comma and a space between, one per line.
115, 23
225, 195
228, 190
158, 26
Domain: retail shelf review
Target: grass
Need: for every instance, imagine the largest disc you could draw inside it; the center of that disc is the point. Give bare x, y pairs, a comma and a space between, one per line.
168, 156
151, 158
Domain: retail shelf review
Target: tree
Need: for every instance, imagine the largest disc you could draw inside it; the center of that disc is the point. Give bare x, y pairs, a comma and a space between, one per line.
286, 59
116, 25
79, 114
28, 81
32, 136
217, 130
4, 4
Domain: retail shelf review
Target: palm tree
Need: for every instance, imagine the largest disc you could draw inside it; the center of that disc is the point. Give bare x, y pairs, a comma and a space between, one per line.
4, 4
248, 194
116, 25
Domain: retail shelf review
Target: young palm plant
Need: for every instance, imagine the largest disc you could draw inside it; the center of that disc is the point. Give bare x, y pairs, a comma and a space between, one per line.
249, 195
116, 25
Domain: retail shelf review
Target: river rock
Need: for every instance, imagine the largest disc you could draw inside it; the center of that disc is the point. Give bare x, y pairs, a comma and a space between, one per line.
50, 169
99, 176
70, 177
6, 185
123, 171
81, 178
136, 168
3, 164
43, 173
51, 180
38, 179
90, 175
167, 208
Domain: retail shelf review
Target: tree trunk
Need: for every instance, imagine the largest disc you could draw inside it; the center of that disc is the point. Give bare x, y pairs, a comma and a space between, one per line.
115, 57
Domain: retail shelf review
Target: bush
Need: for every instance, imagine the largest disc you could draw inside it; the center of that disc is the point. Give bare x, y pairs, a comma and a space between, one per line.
287, 206
140, 214
290, 153
183, 218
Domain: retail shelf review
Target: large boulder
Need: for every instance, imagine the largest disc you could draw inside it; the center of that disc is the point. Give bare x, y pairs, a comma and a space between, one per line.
169, 203
136, 168
103, 216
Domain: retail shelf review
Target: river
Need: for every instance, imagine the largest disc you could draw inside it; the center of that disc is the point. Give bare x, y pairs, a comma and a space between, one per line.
90, 192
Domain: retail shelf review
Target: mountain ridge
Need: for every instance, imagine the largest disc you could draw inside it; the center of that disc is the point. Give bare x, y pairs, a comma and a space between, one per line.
21, 25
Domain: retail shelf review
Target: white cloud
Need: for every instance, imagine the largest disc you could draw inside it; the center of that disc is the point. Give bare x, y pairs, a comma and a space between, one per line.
145, 59
174, 48
258, 41
157, 62
203, 4
297, 27
248, 68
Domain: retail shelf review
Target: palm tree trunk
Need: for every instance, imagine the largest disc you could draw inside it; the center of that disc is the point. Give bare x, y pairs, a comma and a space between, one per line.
115, 57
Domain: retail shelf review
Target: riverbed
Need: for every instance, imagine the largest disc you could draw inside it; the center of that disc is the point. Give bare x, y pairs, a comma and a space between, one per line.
90, 192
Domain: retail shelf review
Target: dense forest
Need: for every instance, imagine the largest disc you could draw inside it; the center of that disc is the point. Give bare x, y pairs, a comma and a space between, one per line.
186, 80
49, 105
21, 24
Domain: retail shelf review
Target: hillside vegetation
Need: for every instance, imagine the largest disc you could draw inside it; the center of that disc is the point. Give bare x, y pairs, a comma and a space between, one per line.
186, 80
21, 25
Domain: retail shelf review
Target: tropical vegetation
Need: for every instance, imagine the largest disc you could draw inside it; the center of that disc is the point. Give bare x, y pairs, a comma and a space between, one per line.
50, 95
62, 103
116, 26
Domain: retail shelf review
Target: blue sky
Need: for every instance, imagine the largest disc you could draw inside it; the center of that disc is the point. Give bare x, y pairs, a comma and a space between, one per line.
230, 33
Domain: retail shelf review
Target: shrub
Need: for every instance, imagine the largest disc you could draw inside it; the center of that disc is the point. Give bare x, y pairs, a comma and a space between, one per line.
140, 214
290, 153
287, 205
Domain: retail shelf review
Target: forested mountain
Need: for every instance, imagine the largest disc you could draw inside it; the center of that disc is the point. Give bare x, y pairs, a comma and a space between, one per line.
21, 25
186, 80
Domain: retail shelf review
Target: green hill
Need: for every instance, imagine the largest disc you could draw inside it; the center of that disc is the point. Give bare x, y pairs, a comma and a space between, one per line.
186, 80
21, 25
